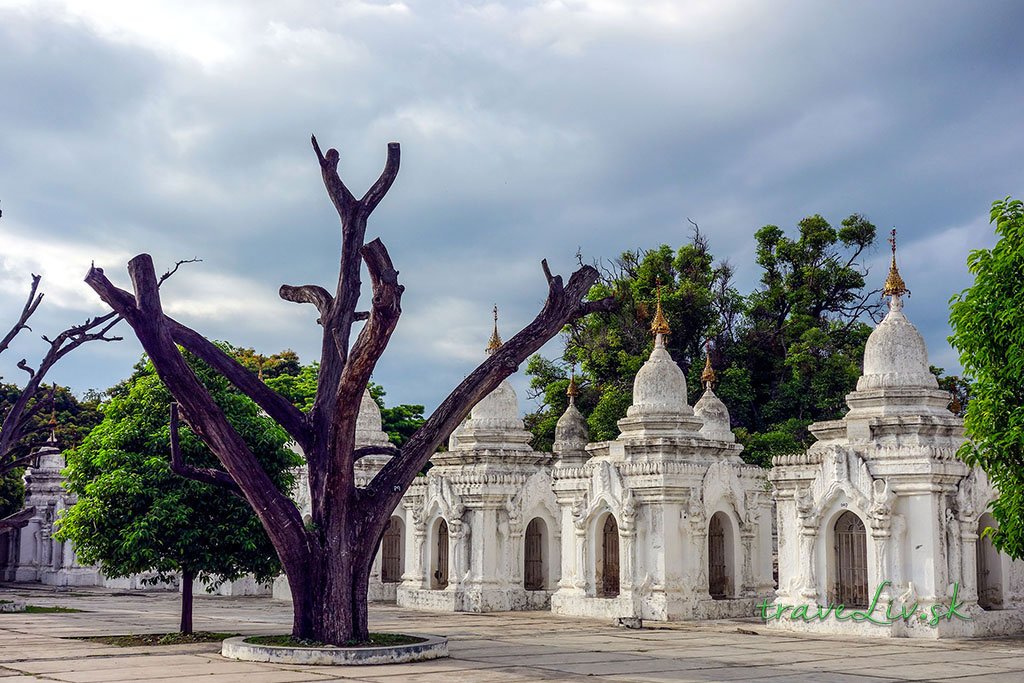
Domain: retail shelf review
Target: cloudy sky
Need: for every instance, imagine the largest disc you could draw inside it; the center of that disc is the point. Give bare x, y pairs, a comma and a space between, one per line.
528, 130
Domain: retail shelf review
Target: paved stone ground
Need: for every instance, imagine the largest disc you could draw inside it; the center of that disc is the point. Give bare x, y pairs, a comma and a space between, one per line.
488, 648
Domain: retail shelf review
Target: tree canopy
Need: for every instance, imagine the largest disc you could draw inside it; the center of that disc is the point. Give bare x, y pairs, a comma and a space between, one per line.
135, 514
785, 354
988, 331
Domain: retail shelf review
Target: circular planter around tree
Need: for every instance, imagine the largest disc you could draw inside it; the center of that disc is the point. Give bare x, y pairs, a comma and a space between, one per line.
426, 647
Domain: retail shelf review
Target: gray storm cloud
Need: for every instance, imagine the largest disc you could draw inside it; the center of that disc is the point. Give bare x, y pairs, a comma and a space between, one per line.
529, 130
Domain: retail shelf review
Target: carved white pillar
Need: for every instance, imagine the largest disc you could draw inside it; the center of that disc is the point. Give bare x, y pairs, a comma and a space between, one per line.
416, 568
748, 540
809, 583
881, 539
969, 562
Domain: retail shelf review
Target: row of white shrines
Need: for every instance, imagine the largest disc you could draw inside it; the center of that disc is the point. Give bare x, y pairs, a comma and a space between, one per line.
666, 522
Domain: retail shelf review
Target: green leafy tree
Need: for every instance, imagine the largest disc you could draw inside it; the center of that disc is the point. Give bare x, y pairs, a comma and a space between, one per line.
786, 354
697, 296
135, 514
988, 332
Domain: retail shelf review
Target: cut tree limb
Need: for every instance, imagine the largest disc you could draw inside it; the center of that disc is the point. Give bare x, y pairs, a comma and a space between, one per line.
564, 304
205, 475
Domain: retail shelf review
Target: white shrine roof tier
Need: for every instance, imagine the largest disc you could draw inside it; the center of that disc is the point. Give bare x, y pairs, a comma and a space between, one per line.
660, 408
493, 438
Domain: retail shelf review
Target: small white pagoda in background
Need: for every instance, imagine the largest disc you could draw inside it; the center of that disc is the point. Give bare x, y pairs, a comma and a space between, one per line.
484, 520
882, 503
33, 554
666, 522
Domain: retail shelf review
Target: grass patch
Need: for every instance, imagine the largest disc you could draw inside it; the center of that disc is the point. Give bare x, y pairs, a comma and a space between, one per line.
6, 602
146, 639
376, 640
36, 609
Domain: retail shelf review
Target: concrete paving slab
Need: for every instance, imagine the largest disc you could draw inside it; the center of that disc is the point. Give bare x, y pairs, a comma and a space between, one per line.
492, 647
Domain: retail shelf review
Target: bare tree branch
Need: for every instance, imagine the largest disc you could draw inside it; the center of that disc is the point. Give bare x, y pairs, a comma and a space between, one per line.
364, 451
343, 200
387, 177
174, 270
309, 294
563, 304
15, 424
202, 474
26, 312
280, 409
373, 338
276, 511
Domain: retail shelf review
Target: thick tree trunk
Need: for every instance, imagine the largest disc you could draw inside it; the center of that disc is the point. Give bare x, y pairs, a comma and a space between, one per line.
187, 579
330, 606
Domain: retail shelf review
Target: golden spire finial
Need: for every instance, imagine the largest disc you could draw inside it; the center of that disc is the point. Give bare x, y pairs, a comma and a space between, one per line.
660, 324
53, 421
573, 390
894, 284
495, 343
707, 377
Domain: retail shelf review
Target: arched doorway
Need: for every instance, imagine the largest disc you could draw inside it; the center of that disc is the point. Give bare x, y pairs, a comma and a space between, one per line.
990, 575
851, 561
608, 559
534, 560
391, 552
719, 557
439, 576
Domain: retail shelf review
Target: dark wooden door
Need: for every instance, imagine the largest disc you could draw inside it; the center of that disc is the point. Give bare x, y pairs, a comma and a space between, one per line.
718, 571
440, 578
533, 556
610, 558
391, 552
851, 556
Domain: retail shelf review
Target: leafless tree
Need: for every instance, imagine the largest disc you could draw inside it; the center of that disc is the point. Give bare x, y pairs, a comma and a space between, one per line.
19, 425
328, 561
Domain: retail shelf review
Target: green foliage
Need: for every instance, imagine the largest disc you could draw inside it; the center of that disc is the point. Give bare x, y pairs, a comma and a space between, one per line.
134, 515
299, 388
399, 422
988, 331
786, 354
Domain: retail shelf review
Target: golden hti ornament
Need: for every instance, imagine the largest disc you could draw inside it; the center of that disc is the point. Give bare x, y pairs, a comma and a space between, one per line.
894, 284
707, 377
573, 391
495, 342
660, 324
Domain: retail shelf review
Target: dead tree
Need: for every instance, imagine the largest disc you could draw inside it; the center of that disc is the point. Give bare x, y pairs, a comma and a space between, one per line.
328, 561
19, 424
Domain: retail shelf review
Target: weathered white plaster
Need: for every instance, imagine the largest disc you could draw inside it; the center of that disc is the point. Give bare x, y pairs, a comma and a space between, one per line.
34, 555
662, 480
892, 461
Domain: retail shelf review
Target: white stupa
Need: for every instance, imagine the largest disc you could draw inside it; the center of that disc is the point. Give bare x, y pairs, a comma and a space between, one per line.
711, 410
571, 434
660, 405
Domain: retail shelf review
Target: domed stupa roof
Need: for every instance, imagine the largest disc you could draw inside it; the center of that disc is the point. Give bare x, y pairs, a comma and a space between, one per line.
369, 432
494, 422
711, 410
895, 354
660, 405
660, 386
369, 429
571, 434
